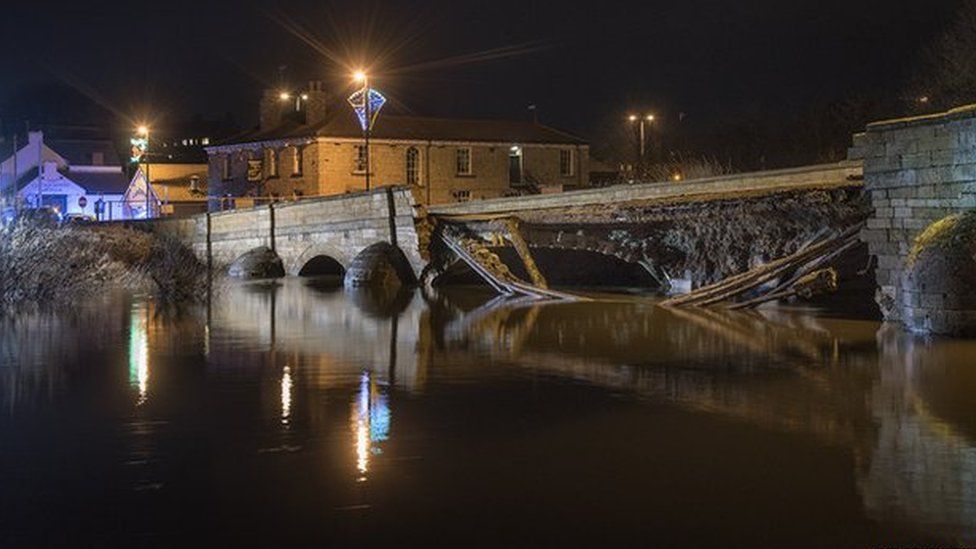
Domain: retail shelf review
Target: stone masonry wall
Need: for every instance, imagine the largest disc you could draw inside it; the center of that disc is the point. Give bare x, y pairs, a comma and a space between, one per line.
918, 170
339, 227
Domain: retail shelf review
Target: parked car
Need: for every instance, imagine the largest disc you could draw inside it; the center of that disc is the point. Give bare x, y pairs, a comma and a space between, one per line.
78, 219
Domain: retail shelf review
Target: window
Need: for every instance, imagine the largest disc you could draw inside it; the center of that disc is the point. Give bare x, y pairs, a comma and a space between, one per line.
413, 166
296, 160
360, 164
271, 162
464, 161
566, 164
225, 166
462, 196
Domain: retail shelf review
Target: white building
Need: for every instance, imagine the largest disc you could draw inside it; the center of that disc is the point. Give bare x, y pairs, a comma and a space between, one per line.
73, 176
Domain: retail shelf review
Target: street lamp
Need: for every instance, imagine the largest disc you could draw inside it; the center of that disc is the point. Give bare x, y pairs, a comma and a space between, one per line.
641, 119
143, 132
367, 103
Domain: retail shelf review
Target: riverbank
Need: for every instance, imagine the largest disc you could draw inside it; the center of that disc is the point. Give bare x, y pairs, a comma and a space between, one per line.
61, 265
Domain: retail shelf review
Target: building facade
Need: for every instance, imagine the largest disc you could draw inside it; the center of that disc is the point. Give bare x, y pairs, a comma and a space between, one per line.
77, 176
175, 189
319, 150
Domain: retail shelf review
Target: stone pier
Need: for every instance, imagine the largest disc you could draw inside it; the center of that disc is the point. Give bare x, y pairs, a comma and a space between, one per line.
919, 171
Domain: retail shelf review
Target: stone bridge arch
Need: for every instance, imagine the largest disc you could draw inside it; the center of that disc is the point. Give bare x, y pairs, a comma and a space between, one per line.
317, 257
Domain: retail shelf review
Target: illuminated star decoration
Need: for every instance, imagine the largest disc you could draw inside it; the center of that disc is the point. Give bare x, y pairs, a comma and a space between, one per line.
139, 147
358, 102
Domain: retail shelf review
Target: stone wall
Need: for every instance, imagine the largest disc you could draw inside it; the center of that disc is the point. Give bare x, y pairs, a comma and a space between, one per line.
338, 227
918, 170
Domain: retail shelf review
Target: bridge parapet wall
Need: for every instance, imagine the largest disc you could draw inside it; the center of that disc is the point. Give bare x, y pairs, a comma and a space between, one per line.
918, 170
339, 227
822, 176
342, 226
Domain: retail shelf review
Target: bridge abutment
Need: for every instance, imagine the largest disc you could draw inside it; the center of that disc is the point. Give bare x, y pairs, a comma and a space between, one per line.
919, 171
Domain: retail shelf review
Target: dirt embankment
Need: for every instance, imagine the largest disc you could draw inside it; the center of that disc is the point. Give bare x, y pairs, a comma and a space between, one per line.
46, 265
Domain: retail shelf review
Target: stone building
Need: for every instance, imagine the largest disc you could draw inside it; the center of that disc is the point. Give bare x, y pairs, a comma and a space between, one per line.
313, 146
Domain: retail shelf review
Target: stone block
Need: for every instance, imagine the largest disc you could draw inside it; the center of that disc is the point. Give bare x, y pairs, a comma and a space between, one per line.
916, 160
925, 191
901, 192
874, 235
903, 212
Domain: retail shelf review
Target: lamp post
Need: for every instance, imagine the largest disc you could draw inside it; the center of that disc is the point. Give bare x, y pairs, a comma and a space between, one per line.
361, 76
641, 119
143, 132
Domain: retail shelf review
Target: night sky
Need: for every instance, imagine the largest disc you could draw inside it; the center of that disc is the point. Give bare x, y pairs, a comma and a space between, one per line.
580, 63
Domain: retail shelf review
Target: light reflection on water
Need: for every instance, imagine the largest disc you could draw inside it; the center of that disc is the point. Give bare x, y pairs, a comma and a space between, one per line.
139, 350
257, 378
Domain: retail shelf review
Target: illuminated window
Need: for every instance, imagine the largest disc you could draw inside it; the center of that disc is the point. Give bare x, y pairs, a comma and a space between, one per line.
464, 161
271, 162
360, 165
296, 161
413, 166
566, 164
205, 141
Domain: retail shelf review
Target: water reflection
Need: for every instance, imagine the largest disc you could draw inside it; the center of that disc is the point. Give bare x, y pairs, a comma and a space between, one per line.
900, 407
285, 395
139, 350
370, 422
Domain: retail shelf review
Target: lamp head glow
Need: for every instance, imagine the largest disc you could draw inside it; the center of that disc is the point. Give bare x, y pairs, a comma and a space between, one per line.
143, 130
649, 118
284, 96
632, 118
359, 76
304, 97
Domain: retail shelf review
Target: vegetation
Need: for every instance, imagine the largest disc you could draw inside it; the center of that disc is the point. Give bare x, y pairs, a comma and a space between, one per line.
953, 233
946, 75
49, 265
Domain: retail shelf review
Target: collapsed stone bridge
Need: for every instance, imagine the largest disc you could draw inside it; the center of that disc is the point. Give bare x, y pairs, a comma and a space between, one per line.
655, 235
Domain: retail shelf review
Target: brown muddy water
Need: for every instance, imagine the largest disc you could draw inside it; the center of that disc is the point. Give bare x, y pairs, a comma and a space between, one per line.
300, 414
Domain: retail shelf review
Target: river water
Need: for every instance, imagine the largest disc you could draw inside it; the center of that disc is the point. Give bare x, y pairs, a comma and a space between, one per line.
299, 413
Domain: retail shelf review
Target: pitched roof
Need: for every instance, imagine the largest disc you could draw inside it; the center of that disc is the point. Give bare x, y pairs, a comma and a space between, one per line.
100, 182
177, 189
81, 152
342, 123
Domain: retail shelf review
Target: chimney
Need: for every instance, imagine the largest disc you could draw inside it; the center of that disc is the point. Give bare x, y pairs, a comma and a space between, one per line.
272, 109
317, 103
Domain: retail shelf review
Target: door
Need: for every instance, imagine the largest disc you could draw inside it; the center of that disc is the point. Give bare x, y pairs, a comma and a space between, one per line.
515, 166
57, 201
